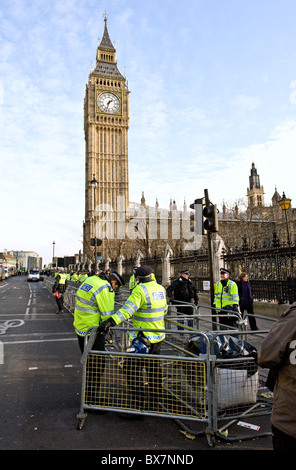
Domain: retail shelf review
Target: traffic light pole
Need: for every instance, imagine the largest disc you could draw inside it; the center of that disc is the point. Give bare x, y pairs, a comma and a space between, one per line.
211, 262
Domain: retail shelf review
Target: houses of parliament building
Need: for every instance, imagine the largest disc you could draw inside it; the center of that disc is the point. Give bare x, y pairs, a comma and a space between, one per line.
113, 226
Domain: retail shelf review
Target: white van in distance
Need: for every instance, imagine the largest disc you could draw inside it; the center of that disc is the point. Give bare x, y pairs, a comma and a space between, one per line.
33, 274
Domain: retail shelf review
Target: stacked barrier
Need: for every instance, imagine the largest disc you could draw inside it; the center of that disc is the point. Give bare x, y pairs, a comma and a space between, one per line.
204, 393
202, 389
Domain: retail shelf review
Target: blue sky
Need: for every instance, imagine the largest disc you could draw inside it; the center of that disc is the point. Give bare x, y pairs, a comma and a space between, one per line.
213, 88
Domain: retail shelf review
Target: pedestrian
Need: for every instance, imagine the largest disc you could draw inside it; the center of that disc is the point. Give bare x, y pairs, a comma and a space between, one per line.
226, 298
147, 307
181, 290
278, 353
95, 304
58, 290
246, 298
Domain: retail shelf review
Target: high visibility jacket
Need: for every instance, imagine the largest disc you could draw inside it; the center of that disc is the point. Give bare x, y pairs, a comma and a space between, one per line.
63, 278
94, 304
60, 284
83, 277
74, 277
227, 295
132, 282
147, 305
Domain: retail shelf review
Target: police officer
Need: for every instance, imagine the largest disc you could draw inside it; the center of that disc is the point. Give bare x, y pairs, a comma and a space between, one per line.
74, 277
133, 280
226, 297
95, 304
59, 288
183, 290
147, 305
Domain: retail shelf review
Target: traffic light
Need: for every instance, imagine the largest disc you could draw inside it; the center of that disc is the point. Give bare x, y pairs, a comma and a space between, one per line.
210, 214
93, 242
197, 218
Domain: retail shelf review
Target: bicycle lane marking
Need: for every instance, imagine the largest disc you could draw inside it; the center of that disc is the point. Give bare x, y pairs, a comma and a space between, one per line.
4, 326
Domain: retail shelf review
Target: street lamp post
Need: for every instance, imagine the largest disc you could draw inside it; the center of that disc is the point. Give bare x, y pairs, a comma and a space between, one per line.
285, 204
53, 245
94, 184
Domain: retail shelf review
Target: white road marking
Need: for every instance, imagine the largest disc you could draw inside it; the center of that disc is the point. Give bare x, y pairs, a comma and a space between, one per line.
36, 368
39, 341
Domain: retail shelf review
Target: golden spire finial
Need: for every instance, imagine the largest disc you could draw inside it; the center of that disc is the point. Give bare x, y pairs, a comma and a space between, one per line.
105, 16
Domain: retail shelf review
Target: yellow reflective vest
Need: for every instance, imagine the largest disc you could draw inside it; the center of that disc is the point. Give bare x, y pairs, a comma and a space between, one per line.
82, 277
147, 305
227, 295
63, 278
74, 277
94, 304
132, 282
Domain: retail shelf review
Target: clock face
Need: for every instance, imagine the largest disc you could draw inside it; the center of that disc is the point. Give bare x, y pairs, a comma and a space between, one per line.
108, 103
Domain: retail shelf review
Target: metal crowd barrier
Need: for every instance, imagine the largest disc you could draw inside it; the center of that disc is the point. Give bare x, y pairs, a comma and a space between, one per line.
209, 392
203, 393
146, 384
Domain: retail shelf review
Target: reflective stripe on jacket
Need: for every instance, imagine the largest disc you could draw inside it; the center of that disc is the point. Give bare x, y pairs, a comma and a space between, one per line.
227, 295
94, 304
147, 306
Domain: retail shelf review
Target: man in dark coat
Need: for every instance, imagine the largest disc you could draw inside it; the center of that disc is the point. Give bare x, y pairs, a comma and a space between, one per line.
183, 290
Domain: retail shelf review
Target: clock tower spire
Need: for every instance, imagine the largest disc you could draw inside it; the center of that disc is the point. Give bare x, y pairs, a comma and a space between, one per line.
106, 122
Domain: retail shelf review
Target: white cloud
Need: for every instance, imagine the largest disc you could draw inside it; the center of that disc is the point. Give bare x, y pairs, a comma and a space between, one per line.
227, 179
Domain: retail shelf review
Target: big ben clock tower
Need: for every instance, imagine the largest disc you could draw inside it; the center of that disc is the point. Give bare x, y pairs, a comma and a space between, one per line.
106, 121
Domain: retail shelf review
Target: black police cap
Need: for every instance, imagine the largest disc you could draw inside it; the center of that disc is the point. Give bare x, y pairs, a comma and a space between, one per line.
143, 271
224, 271
185, 271
117, 276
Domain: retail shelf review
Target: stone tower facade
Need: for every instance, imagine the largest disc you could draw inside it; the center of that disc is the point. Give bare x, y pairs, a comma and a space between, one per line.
255, 192
106, 123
